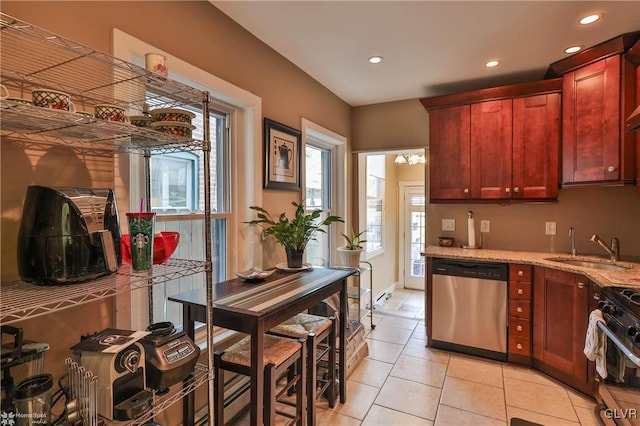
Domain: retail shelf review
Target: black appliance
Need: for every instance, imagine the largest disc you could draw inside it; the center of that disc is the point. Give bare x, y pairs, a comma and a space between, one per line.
618, 394
68, 235
170, 355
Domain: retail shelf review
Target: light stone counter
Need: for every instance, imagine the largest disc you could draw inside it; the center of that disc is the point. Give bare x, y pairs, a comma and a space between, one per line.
627, 278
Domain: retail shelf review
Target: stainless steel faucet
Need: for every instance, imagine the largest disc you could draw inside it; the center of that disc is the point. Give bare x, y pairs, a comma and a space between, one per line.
572, 235
614, 251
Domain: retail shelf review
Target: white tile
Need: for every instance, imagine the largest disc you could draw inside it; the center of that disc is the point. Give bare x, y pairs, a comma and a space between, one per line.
333, 418
476, 370
360, 397
409, 397
548, 400
371, 372
382, 416
418, 349
390, 334
384, 351
513, 412
475, 397
449, 416
419, 370
404, 323
528, 375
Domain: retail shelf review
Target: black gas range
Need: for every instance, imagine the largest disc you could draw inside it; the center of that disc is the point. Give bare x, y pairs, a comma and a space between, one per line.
619, 393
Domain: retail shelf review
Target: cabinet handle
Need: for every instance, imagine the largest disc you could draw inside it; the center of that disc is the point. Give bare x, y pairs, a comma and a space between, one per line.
516, 189
466, 190
520, 291
507, 190
596, 296
580, 285
519, 309
519, 346
519, 328
611, 169
520, 273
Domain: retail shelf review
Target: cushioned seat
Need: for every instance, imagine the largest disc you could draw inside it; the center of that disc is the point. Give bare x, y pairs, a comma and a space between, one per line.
320, 333
281, 356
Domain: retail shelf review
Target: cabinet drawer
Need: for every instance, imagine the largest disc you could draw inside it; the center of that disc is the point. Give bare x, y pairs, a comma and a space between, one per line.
520, 309
520, 272
519, 345
519, 327
519, 290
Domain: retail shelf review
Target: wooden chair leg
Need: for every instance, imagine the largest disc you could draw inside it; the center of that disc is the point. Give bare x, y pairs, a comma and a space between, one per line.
269, 408
301, 408
331, 390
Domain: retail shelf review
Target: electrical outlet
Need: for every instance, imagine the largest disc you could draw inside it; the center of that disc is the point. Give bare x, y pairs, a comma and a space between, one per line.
550, 228
485, 226
448, 224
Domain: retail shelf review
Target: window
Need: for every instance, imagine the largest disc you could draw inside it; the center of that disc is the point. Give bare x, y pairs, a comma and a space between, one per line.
174, 183
375, 175
318, 197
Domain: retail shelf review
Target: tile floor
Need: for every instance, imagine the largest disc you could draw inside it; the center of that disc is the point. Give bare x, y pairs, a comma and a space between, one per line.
403, 383
404, 303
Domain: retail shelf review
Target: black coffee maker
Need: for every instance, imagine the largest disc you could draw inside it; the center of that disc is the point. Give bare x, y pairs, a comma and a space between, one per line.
68, 235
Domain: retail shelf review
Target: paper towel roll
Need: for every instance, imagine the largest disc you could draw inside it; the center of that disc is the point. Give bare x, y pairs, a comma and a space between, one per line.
471, 227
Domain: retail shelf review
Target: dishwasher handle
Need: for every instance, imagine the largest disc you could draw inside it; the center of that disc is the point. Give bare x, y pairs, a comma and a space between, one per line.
471, 269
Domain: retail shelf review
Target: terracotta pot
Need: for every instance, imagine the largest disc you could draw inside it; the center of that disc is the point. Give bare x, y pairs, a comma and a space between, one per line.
348, 257
294, 258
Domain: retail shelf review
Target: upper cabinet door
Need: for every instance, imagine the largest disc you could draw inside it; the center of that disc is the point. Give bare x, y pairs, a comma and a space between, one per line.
591, 123
449, 155
491, 134
536, 142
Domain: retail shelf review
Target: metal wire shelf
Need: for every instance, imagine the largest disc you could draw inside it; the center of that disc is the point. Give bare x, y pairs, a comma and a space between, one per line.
162, 402
88, 75
20, 300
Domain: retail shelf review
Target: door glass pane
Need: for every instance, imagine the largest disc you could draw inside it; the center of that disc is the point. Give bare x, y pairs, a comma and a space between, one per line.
417, 243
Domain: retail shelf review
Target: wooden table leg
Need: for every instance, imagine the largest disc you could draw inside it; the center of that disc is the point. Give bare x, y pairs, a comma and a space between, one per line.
257, 374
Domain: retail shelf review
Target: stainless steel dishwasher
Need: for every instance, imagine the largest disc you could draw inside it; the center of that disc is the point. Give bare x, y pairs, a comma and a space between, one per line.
470, 307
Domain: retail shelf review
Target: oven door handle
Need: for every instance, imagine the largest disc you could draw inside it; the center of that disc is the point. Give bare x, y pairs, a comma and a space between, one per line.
632, 357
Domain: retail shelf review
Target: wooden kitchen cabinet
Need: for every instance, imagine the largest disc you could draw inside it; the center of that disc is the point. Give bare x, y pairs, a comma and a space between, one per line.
520, 314
560, 318
491, 149
599, 91
495, 144
450, 177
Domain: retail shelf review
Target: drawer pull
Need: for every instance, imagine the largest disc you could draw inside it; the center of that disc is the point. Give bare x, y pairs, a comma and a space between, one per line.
519, 309
520, 291
580, 285
519, 328
520, 273
519, 346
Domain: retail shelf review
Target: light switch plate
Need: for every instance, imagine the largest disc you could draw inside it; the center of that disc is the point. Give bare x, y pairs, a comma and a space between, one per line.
448, 224
485, 226
550, 228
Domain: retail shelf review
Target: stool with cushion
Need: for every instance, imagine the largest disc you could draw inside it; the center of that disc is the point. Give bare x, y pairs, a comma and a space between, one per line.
320, 334
281, 356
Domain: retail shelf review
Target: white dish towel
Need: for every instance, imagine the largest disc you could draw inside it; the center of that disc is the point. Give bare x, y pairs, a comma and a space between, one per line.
595, 344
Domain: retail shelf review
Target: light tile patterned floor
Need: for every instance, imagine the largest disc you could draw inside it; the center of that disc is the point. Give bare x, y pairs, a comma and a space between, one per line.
402, 382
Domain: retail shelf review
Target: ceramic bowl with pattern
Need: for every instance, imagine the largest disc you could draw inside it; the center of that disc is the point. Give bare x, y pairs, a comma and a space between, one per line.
172, 114
53, 99
141, 120
174, 127
110, 113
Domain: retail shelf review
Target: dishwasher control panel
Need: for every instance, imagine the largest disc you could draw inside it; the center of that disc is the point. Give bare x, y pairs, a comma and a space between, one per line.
471, 269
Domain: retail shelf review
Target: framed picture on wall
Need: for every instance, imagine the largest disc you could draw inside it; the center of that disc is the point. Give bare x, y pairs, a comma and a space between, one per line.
282, 145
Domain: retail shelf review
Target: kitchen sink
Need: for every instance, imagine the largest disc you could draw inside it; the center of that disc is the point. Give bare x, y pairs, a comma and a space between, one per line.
595, 264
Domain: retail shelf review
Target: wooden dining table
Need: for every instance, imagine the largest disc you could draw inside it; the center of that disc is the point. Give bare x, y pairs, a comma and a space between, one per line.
255, 307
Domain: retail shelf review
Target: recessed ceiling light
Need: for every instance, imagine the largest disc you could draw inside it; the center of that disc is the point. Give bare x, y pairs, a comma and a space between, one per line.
376, 59
573, 49
491, 64
590, 19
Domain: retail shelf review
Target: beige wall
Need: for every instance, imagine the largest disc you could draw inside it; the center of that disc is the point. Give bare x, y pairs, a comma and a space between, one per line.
195, 32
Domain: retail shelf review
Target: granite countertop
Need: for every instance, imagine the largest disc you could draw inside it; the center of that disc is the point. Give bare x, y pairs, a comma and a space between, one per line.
626, 278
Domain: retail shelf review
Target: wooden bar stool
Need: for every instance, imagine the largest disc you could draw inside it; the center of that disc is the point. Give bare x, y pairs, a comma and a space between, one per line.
281, 356
320, 334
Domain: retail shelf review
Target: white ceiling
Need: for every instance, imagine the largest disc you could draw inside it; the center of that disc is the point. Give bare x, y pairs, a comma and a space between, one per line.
430, 48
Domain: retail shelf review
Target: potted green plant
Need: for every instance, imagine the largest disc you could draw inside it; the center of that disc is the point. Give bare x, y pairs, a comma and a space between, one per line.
293, 234
350, 253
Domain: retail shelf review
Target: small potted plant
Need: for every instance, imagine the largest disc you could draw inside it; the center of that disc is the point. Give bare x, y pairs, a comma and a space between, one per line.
293, 234
350, 253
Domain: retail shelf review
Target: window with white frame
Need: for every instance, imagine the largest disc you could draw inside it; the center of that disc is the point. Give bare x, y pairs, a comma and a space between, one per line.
375, 177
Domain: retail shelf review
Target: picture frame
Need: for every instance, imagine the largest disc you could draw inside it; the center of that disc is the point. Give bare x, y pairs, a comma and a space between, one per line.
282, 151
